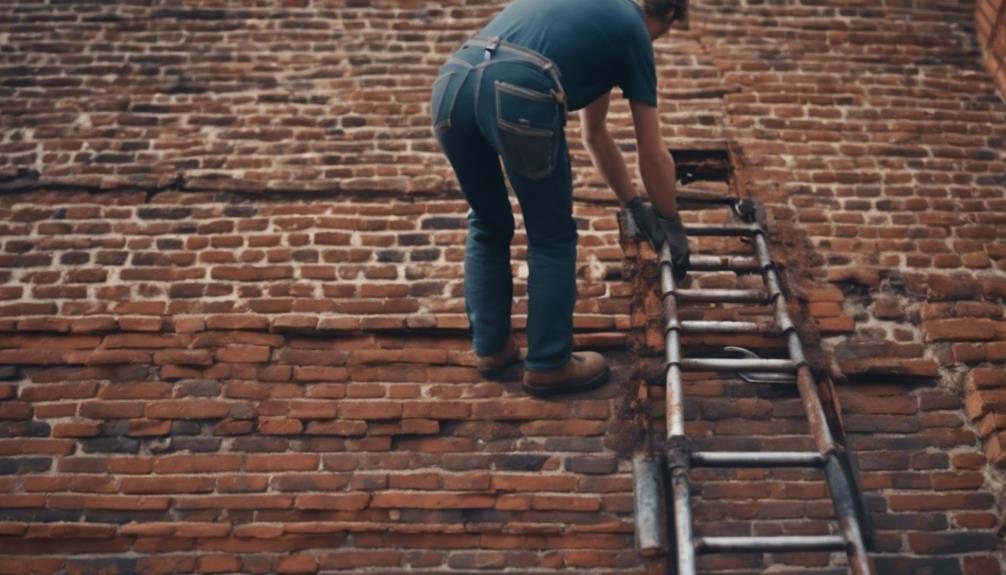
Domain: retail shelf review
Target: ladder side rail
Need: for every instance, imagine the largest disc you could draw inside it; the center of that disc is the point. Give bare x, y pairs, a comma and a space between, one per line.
678, 456
839, 484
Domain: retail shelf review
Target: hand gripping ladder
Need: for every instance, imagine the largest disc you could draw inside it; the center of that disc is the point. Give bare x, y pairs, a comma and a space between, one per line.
831, 457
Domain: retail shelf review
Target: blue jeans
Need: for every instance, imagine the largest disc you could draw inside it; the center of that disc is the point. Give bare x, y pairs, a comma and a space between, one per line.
501, 102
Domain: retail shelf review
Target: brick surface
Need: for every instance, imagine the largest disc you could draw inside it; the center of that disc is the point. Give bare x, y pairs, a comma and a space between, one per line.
231, 301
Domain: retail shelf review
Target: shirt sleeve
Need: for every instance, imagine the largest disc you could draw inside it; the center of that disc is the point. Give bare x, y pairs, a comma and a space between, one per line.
639, 70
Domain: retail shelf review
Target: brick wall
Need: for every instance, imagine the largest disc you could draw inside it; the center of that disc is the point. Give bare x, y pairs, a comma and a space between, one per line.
232, 327
991, 26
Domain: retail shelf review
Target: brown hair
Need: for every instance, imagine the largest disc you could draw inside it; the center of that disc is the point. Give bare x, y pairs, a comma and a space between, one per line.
661, 8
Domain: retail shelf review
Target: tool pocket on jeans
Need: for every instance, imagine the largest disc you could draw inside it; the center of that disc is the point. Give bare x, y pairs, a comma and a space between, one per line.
441, 102
527, 122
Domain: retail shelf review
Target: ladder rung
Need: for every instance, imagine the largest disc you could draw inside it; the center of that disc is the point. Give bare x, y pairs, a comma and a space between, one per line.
721, 295
724, 263
776, 543
722, 230
703, 326
757, 459
734, 364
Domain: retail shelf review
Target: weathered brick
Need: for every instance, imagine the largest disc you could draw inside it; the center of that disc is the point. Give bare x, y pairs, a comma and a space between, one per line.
889, 184
334, 501
959, 329
282, 462
243, 354
187, 409
77, 429
197, 463
280, 426
440, 500
369, 410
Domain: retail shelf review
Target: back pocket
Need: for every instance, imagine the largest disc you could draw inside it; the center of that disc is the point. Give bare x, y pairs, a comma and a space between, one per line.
528, 124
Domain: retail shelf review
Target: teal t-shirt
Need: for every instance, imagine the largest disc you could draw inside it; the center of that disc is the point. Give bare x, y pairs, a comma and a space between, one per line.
596, 44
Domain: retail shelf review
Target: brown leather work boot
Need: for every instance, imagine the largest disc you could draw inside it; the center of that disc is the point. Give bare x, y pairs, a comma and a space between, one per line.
493, 366
584, 370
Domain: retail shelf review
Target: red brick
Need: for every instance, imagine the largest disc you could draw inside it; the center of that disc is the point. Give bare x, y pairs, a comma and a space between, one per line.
140, 323
976, 520
982, 565
187, 409
346, 559
438, 500
135, 390
172, 484
937, 502
297, 564
959, 329
281, 462
968, 460
103, 357
140, 341
369, 409
9, 529
44, 324
345, 428
863, 175
258, 531
118, 502
414, 481
996, 351
335, 501
110, 409
69, 531
320, 373
825, 309
243, 354
244, 501
32, 446
77, 429
565, 503
15, 410
251, 273
242, 483
149, 427
405, 427
297, 482
197, 463
280, 426
958, 481
437, 409
242, 321
217, 564
183, 357
832, 325
57, 391
519, 409
535, 482
968, 352
312, 409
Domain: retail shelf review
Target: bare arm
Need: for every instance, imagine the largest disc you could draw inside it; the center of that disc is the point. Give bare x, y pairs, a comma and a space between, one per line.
656, 165
604, 152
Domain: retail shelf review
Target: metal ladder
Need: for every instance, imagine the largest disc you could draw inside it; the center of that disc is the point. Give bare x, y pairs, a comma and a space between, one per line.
838, 466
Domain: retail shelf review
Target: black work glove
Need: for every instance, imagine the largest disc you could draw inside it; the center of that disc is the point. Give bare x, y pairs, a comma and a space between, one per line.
656, 228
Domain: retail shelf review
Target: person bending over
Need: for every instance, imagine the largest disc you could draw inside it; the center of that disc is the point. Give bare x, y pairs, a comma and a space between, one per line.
506, 93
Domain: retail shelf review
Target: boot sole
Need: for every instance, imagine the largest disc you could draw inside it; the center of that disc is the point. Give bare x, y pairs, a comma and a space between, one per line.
597, 381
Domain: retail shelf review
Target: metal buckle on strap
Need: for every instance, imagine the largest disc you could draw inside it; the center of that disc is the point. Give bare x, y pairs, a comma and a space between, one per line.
494, 43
